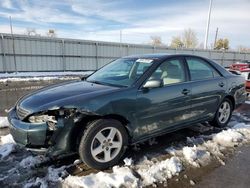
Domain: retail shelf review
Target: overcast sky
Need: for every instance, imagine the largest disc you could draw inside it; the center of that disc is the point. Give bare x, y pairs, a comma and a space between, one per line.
138, 19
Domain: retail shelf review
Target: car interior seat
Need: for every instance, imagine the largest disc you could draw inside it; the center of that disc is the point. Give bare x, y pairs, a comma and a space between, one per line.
171, 74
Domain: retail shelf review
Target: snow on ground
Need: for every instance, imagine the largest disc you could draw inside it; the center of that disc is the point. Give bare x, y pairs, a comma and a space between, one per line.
51, 179
121, 176
30, 161
5, 150
4, 122
151, 171
17, 167
248, 102
197, 152
37, 76
158, 172
7, 139
7, 146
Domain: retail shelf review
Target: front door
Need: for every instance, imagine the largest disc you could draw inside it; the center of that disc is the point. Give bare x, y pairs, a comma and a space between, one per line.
160, 108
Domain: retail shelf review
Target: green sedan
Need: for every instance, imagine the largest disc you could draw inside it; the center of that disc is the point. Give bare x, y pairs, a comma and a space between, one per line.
127, 101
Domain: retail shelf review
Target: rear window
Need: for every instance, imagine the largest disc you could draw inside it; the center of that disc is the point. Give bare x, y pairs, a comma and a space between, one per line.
200, 69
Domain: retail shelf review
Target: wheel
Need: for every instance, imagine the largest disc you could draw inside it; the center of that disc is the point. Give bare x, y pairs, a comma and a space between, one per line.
223, 114
103, 144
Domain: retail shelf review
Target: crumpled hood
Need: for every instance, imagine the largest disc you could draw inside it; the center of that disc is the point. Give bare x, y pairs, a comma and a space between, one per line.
73, 93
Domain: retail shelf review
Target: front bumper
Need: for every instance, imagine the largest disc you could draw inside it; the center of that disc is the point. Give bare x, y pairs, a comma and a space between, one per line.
38, 138
27, 134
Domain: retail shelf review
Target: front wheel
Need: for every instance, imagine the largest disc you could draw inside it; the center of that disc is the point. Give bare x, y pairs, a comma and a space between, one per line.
103, 144
223, 114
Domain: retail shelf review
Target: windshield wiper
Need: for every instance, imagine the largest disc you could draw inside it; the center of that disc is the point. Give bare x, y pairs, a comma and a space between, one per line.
105, 83
95, 82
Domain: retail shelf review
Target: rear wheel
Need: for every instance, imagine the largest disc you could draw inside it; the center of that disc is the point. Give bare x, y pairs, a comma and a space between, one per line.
103, 144
223, 114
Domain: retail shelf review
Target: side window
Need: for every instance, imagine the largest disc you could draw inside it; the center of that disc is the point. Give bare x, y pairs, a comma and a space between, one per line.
170, 72
199, 69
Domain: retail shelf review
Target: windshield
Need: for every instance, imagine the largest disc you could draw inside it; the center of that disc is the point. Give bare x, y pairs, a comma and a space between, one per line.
121, 72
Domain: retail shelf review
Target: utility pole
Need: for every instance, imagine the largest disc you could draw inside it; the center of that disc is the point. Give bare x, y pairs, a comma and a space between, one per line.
208, 24
120, 42
216, 35
13, 44
120, 36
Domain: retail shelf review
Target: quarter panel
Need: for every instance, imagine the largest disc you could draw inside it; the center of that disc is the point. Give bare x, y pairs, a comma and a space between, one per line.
206, 97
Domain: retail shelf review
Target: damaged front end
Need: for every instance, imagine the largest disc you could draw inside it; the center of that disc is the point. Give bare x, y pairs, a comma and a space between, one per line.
50, 131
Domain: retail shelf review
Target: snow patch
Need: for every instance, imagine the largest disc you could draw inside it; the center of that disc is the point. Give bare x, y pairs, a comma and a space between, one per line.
6, 139
196, 156
128, 161
7, 146
50, 180
6, 150
247, 102
39, 182
55, 174
30, 161
151, 172
120, 177
38, 76
228, 138
4, 122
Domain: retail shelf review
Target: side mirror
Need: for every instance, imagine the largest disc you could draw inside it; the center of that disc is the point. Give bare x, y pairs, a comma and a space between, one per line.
153, 84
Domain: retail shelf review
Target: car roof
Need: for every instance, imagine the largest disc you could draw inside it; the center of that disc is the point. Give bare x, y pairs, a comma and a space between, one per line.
148, 56
160, 56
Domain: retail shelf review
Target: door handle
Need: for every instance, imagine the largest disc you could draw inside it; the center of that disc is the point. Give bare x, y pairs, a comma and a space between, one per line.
221, 84
185, 91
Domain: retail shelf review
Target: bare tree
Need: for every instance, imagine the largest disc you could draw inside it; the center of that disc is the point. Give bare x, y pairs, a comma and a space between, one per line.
51, 33
189, 38
222, 44
156, 41
176, 42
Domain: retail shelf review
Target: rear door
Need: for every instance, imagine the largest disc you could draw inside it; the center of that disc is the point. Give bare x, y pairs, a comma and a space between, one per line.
208, 88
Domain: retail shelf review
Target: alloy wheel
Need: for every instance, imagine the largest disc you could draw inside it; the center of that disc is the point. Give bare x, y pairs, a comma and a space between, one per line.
224, 112
106, 144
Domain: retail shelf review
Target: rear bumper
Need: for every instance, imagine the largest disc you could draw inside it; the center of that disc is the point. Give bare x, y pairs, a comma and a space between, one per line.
27, 134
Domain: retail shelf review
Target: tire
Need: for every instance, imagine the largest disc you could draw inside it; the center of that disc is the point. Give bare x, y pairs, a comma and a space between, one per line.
103, 144
223, 114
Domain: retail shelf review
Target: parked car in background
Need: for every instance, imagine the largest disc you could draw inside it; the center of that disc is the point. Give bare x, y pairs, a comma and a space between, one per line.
241, 66
236, 72
127, 101
246, 74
